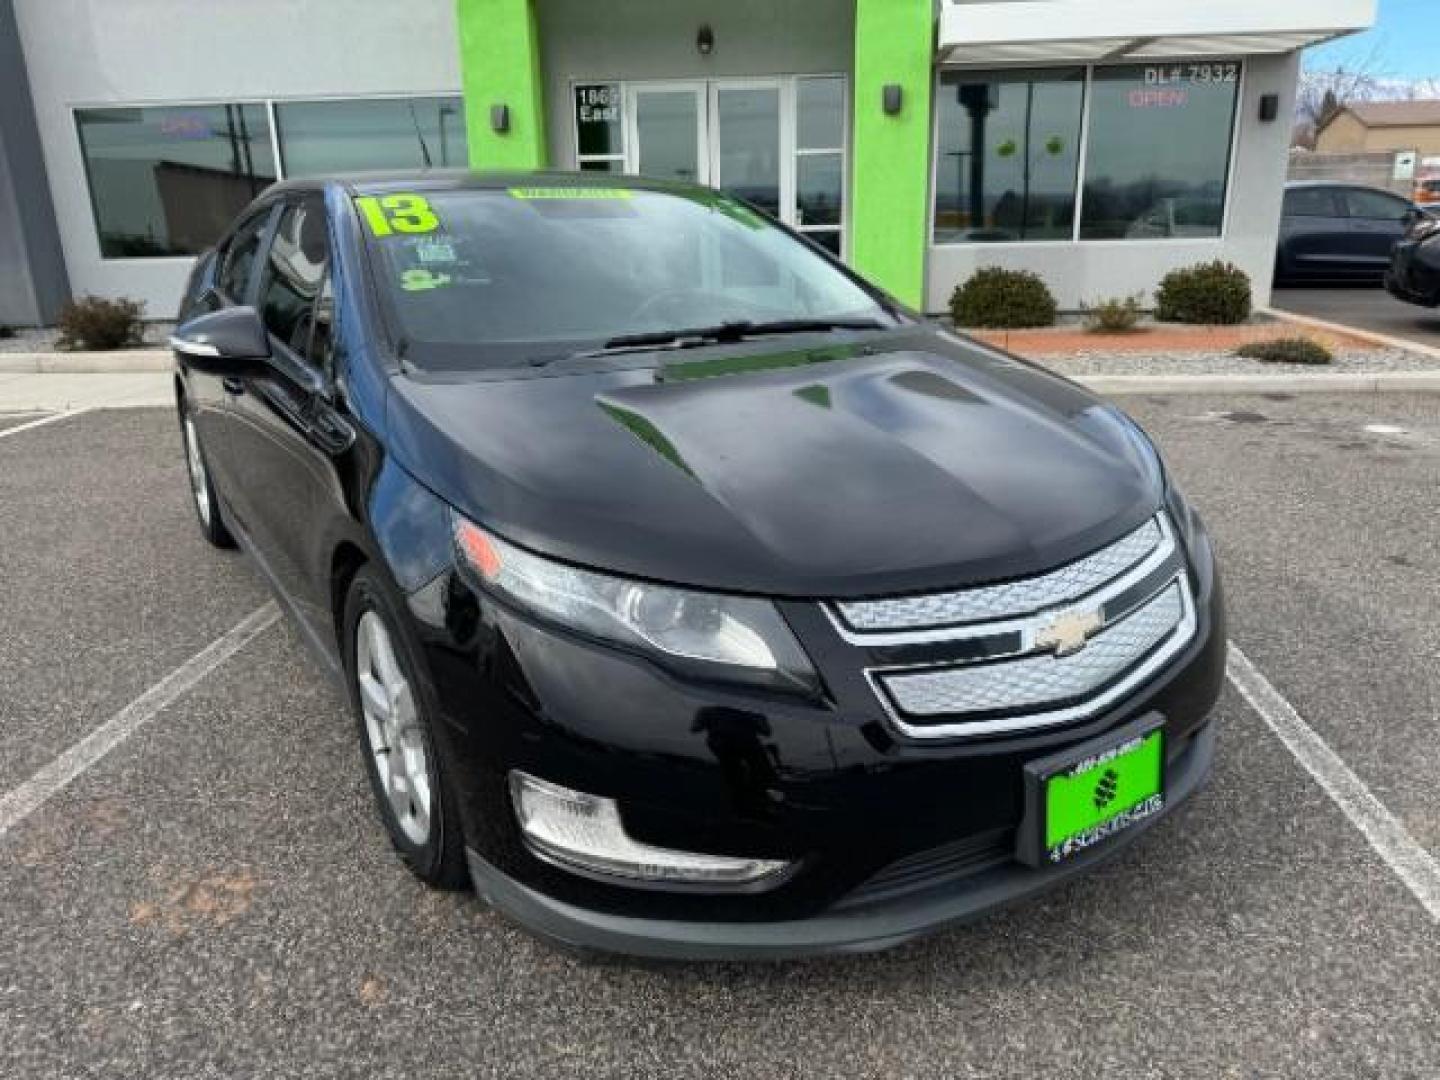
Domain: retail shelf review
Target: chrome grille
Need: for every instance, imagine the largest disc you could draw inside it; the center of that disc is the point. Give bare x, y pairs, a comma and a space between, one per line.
1040, 679
1058, 647
1007, 599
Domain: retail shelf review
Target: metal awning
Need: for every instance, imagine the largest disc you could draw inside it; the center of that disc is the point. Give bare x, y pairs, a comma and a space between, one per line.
1048, 31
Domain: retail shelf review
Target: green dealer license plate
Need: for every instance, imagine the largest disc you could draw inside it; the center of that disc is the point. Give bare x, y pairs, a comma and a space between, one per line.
1083, 798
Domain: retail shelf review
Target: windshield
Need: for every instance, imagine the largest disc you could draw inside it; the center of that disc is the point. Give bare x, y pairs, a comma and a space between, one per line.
485, 277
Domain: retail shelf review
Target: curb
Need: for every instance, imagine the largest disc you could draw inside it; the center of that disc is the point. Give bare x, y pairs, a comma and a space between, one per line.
1378, 383
120, 362
1353, 331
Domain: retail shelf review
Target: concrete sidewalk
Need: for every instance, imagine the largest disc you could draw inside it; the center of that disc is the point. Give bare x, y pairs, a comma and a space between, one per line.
29, 392
118, 362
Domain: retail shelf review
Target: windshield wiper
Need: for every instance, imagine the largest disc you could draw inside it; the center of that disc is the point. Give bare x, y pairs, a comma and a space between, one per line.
724, 332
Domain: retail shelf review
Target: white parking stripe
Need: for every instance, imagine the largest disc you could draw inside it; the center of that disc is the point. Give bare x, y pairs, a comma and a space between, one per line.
17, 805
43, 420
1412, 864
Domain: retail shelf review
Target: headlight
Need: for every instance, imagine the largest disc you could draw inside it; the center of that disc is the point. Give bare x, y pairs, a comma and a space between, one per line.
708, 633
1422, 227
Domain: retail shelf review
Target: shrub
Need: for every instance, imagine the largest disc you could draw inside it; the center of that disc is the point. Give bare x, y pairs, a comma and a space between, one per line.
1112, 316
92, 322
1214, 292
1292, 350
6, 331
1002, 300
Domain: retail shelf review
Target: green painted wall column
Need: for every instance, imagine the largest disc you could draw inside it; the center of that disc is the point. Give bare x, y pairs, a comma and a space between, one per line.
890, 155
500, 65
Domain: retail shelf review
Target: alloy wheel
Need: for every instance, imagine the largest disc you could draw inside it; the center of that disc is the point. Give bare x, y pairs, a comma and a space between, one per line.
392, 728
199, 481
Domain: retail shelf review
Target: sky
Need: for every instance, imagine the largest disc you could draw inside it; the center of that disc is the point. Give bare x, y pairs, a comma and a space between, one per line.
1405, 43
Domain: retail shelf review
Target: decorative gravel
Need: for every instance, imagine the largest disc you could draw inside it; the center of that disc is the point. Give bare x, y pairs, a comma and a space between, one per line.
1352, 361
43, 341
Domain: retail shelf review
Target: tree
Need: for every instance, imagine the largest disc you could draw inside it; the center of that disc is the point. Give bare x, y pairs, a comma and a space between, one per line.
1324, 92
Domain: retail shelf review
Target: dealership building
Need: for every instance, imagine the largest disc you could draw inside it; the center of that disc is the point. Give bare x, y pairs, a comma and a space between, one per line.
1099, 143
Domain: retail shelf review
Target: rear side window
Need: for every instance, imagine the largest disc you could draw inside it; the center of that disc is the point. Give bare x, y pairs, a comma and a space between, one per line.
294, 269
1312, 202
240, 256
1375, 205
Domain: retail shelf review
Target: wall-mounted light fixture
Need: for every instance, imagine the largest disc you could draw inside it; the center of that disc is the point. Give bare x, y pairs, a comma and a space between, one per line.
500, 119
705, 40
1269, 107
892, 98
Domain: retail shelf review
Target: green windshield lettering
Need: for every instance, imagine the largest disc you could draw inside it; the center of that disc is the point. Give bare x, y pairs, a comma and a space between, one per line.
569, 193
400, 213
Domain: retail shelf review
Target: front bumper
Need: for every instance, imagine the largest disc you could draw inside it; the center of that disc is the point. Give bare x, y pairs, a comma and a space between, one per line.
1414, 274
891, 837
882, 924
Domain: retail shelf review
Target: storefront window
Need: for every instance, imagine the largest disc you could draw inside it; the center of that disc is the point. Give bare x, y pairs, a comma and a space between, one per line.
1156, 159
820, 159
1007, 155
318, 137
170, 180
1159, 150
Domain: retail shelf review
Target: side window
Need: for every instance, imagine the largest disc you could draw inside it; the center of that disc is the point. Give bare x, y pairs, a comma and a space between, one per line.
294, 269
1375, 205
322, 338
199, 292
1312, 202
240, 256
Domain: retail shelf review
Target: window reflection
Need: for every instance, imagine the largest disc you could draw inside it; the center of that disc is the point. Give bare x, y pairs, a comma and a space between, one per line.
1159, 151
318, 137
1007, 155
170, 180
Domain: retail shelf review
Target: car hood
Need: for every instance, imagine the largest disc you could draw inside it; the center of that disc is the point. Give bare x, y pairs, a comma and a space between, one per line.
918, 461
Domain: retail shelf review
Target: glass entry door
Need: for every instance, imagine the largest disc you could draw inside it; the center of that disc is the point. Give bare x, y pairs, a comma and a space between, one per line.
779, 142
745, 143
668, 136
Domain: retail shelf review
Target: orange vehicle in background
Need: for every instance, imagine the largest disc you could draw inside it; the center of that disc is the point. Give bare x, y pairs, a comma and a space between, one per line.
1427, 185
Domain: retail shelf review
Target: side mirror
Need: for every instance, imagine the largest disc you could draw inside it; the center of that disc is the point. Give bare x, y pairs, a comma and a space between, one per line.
222, 340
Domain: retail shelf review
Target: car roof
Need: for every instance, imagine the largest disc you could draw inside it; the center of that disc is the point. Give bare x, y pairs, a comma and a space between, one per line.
365, 183
1310, 185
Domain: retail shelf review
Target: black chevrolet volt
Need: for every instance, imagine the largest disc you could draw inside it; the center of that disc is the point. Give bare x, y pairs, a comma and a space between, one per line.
692, 597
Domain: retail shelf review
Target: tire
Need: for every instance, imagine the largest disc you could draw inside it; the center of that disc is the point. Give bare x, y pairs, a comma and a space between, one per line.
202, 486
396, 716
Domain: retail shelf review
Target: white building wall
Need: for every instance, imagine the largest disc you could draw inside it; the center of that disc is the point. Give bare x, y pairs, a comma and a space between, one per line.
156, 52
1090, 270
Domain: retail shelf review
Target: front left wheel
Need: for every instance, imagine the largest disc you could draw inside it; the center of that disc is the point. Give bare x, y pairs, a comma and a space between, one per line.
202, 487
397, 718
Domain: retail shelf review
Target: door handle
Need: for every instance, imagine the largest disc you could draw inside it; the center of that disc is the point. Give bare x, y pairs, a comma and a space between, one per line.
233, 385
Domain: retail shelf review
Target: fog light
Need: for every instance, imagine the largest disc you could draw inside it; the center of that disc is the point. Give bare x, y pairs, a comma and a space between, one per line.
585, 832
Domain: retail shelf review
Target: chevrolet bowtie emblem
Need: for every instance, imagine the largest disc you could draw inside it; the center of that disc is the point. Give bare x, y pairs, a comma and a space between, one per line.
1069, 631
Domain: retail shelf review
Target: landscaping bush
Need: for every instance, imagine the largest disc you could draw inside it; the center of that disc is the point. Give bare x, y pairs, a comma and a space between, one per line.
1211, 293
6, 331
1112, 316
1002, 300
1292, 350
92, 322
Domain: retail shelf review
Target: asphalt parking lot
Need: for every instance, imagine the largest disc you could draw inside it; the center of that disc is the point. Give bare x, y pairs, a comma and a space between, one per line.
1365, 307
211, 898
